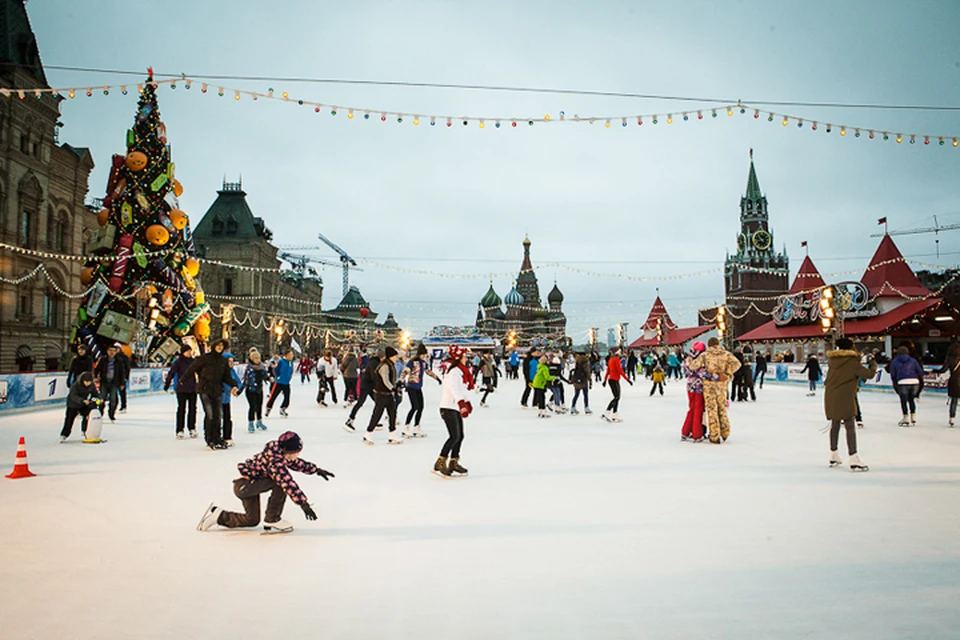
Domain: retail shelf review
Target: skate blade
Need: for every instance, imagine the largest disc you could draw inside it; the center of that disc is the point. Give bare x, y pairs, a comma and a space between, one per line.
369, 443
834, 465
205, 514
859, 469
441, 475
275, 532
394, 442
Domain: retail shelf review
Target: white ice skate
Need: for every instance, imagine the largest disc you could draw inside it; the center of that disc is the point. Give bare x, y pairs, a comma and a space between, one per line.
209, 519
606, 416
856, 464
616, 418
406, 433
368, 438
394, 438
280, 526
543, 414
835, 459
417, 433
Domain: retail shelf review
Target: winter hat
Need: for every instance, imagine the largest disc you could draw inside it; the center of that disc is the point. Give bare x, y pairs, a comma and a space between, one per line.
456, 351
845, 343
389, 352
699, 347
185, 348
421, 350
290, 442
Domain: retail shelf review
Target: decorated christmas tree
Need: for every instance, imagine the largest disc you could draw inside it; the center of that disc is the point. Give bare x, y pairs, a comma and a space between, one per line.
143, 262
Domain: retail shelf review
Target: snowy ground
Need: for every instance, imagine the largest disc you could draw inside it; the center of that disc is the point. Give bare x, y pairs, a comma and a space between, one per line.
566, 528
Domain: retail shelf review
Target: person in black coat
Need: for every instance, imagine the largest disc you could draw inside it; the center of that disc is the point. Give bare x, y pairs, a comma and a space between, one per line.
812, 368
80, 363
186, 391
527, 378
111, 374
213, 371
761, 368
81, 399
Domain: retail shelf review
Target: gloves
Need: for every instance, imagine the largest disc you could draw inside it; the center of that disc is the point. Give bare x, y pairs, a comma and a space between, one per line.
628, 382
439, 381
308, 512
326, 475
465, 408
603, 384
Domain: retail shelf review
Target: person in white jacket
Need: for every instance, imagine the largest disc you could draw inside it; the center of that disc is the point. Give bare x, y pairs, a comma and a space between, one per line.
454, 407
327, 373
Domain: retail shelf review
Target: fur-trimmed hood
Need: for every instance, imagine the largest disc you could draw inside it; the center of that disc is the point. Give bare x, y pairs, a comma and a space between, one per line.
843, 353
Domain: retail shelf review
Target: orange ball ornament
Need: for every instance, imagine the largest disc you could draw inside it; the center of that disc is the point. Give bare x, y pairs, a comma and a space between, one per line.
177, 188
127, 351
192, 265
157, 234
136, 161
103, 217
178, 218
201, 331
86, 276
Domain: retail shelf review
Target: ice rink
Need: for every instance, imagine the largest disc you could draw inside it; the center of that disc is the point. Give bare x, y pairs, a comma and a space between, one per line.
566, 528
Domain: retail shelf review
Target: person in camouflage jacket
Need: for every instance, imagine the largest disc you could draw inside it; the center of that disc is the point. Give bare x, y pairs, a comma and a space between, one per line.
721, 363
268, 470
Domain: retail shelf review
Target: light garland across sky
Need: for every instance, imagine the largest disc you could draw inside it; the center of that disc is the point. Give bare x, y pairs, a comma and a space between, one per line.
496, 122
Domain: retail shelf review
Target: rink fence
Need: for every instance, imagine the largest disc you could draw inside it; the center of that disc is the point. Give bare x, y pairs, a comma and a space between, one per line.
46, 389
789, 373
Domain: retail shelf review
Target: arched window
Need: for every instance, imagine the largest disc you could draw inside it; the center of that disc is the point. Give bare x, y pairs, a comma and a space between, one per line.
52, 309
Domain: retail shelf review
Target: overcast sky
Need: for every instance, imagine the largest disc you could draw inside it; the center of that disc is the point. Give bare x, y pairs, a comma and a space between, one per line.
637, 201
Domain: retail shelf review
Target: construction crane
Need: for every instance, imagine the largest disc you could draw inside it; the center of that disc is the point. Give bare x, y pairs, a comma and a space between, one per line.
345, 260
299, 263
935, 229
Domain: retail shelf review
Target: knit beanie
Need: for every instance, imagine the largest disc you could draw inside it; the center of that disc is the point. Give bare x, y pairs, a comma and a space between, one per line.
290, 442
389, 352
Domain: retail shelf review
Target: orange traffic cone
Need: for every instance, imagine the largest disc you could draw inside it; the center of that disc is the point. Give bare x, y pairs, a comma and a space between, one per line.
20, 468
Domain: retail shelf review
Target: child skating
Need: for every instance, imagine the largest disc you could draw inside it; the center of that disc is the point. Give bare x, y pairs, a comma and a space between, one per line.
658, 377
80, 401
269, 470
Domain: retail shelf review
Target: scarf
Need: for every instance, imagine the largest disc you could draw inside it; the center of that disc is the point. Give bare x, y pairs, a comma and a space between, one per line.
467, 376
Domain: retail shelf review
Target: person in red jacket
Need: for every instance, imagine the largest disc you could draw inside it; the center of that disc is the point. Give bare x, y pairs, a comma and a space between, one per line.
614, 375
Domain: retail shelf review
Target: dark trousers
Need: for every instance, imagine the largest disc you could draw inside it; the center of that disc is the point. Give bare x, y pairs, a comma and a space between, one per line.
614, 405
349, 388
539, 399
277, 390
72, 414
249, 493
849, 425
762, 373
365, 393
383, 401
122, 392
255, 405
321, 389
526, 394
416, 411
908, 394
454, 422
329, 382
212, 417
186, 410
586, 397
227, 422
656, 385
108, 393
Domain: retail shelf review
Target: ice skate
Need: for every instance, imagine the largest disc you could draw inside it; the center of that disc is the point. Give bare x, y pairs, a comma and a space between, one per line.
700, 439
616, 418
543, 414
283, 412
440, 467
368, 438
835, 459
684, 438
261, 426
417, 433
267, 412
860, 424
209, 519
406, 433
455, 469
394, 438
856, 464
606, 415
913, 419
348, 425
952, 421
587, 411
574, 411
216, 446
905, 422
179, 435
280, 526
250, 427
63, 439
193, 433
229, 443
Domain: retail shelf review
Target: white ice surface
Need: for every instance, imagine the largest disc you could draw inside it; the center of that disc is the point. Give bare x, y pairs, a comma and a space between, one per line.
566, 528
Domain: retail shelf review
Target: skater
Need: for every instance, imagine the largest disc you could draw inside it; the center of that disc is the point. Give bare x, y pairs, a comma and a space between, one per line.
812, 368
282, 373
186, 389
488, 369
384, 387
413, 376
840, 398
328, 370
350, 372
673, 366
122, 389
557, 400
305, 367
539, 385
761, 368
693, 425
952, 366
720, 363
80, 401
614, 375
227, 435
255, 377
580, 379
212, 373
110, 375
365, 385
268, 470
746, 384
529, 365
658, 376
514, 365
454, 408
80, 363
632, 362
907, 374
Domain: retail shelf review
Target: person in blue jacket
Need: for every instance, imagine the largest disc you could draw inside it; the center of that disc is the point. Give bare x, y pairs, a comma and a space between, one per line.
227, 436
281, 383
907, 375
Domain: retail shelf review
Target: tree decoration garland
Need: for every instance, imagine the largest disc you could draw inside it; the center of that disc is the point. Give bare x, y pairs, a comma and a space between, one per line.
147, 238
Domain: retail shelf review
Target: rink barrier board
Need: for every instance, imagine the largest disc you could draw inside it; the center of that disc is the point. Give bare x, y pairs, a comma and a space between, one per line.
789, 373
21, 392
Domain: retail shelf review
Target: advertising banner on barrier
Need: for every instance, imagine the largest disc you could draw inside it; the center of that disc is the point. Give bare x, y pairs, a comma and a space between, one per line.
139, 380
50, 387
